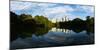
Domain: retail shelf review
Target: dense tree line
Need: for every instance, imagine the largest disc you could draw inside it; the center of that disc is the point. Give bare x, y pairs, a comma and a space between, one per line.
78, 23
26, 23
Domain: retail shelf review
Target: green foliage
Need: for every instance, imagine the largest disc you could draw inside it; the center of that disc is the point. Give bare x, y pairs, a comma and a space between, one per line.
28, 21
78, 24
40, 25
43, 20
25, 17
90, 23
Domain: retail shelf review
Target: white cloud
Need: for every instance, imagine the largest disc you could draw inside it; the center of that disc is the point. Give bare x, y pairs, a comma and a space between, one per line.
58, 12
88, 9
45, 5
19, 5
83, 2
52, 11
59, 9
16, 5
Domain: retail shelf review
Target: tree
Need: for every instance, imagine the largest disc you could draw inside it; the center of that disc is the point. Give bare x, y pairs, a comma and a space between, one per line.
87, 18
41, 20
25, 17
90, 24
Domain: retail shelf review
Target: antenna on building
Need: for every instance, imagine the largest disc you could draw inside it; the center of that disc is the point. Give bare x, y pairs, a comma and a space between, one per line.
65, 18
62, 19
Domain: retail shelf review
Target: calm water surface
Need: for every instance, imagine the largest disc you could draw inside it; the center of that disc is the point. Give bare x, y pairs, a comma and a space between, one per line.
53, 37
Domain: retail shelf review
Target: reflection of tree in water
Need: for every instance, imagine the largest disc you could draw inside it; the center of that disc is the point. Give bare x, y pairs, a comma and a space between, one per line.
24, 25
38, 31
77, 30
41, 31
89, 31
77, 24
22, 33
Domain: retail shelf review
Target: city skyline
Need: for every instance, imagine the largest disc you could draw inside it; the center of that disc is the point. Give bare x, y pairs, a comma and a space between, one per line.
52, 11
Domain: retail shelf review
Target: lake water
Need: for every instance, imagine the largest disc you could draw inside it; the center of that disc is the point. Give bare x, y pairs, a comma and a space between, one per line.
53, 37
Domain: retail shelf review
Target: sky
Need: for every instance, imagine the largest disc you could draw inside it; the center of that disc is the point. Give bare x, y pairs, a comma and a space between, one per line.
52, 11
